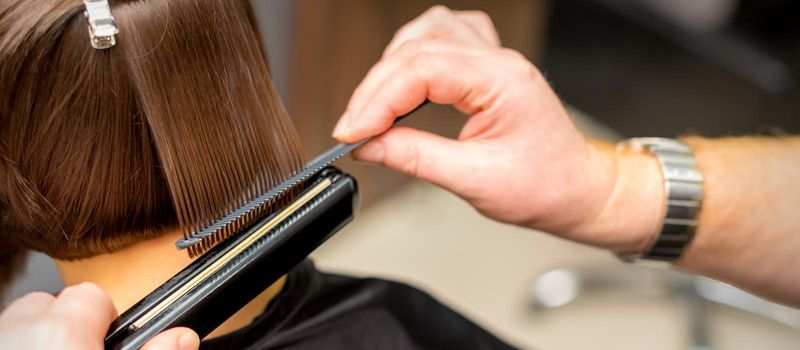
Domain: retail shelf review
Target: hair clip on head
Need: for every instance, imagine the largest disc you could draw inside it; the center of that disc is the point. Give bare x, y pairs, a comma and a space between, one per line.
102, 28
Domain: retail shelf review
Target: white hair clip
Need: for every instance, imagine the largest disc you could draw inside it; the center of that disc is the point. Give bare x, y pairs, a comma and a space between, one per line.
102, 28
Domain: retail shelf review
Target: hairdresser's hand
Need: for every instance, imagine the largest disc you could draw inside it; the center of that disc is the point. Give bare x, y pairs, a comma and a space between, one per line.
518, 158
77, 319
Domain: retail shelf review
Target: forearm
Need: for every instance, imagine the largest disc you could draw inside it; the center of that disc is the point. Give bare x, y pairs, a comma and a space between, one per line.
749, 228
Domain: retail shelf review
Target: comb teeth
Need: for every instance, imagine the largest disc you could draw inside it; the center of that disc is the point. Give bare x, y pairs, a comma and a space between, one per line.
204, 240
200, 241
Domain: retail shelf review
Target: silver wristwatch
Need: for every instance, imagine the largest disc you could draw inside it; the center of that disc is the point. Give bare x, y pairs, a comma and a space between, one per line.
683, 189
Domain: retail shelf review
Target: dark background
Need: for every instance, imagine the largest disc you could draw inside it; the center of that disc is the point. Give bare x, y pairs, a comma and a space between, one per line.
644, 75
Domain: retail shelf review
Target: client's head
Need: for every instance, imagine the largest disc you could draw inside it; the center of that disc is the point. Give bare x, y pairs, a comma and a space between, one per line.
101, 149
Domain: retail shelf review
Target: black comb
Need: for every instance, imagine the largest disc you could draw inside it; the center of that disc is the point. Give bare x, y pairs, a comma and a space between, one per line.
200, 241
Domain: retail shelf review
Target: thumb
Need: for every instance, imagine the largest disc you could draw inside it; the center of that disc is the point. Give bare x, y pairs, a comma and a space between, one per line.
174, 339
432, 158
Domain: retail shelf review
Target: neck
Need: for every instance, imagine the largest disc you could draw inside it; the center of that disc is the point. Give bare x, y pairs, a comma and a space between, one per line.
130, 274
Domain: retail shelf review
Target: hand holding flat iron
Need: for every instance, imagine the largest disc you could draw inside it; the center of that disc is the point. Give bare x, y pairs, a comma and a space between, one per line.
76, 319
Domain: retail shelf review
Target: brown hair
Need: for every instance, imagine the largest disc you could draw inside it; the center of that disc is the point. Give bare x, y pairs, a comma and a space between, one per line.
100, 149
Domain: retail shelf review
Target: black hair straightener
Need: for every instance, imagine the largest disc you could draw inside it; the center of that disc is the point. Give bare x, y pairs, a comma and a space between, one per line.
242, 259
227, 277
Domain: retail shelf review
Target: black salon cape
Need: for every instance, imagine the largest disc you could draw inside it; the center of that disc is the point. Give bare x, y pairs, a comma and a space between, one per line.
317, 310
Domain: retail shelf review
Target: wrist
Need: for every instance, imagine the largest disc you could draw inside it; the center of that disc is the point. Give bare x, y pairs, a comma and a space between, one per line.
631, 205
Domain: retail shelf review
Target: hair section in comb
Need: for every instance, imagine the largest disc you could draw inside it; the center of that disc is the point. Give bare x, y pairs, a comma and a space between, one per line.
240, 220
255, 209
234, 221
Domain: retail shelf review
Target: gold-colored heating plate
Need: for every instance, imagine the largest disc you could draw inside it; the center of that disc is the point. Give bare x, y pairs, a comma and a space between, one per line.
217, 264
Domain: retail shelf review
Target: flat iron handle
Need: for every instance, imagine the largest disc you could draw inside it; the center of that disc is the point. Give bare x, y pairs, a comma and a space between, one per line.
220, 295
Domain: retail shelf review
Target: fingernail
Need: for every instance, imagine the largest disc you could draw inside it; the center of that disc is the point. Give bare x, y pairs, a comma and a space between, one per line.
188, 341
370, 152
340, 126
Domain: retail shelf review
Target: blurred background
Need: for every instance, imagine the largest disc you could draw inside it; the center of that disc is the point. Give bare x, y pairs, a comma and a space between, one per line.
625, 68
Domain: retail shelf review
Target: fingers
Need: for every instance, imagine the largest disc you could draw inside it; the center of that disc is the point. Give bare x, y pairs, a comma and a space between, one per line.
32, 304
174, 339
404, 64
87, 304
430, 157
77, 319
439, 22
482, 24
438, 30
467, 78
440, 43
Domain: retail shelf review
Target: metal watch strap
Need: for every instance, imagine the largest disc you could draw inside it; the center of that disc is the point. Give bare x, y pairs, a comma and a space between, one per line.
683, 188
